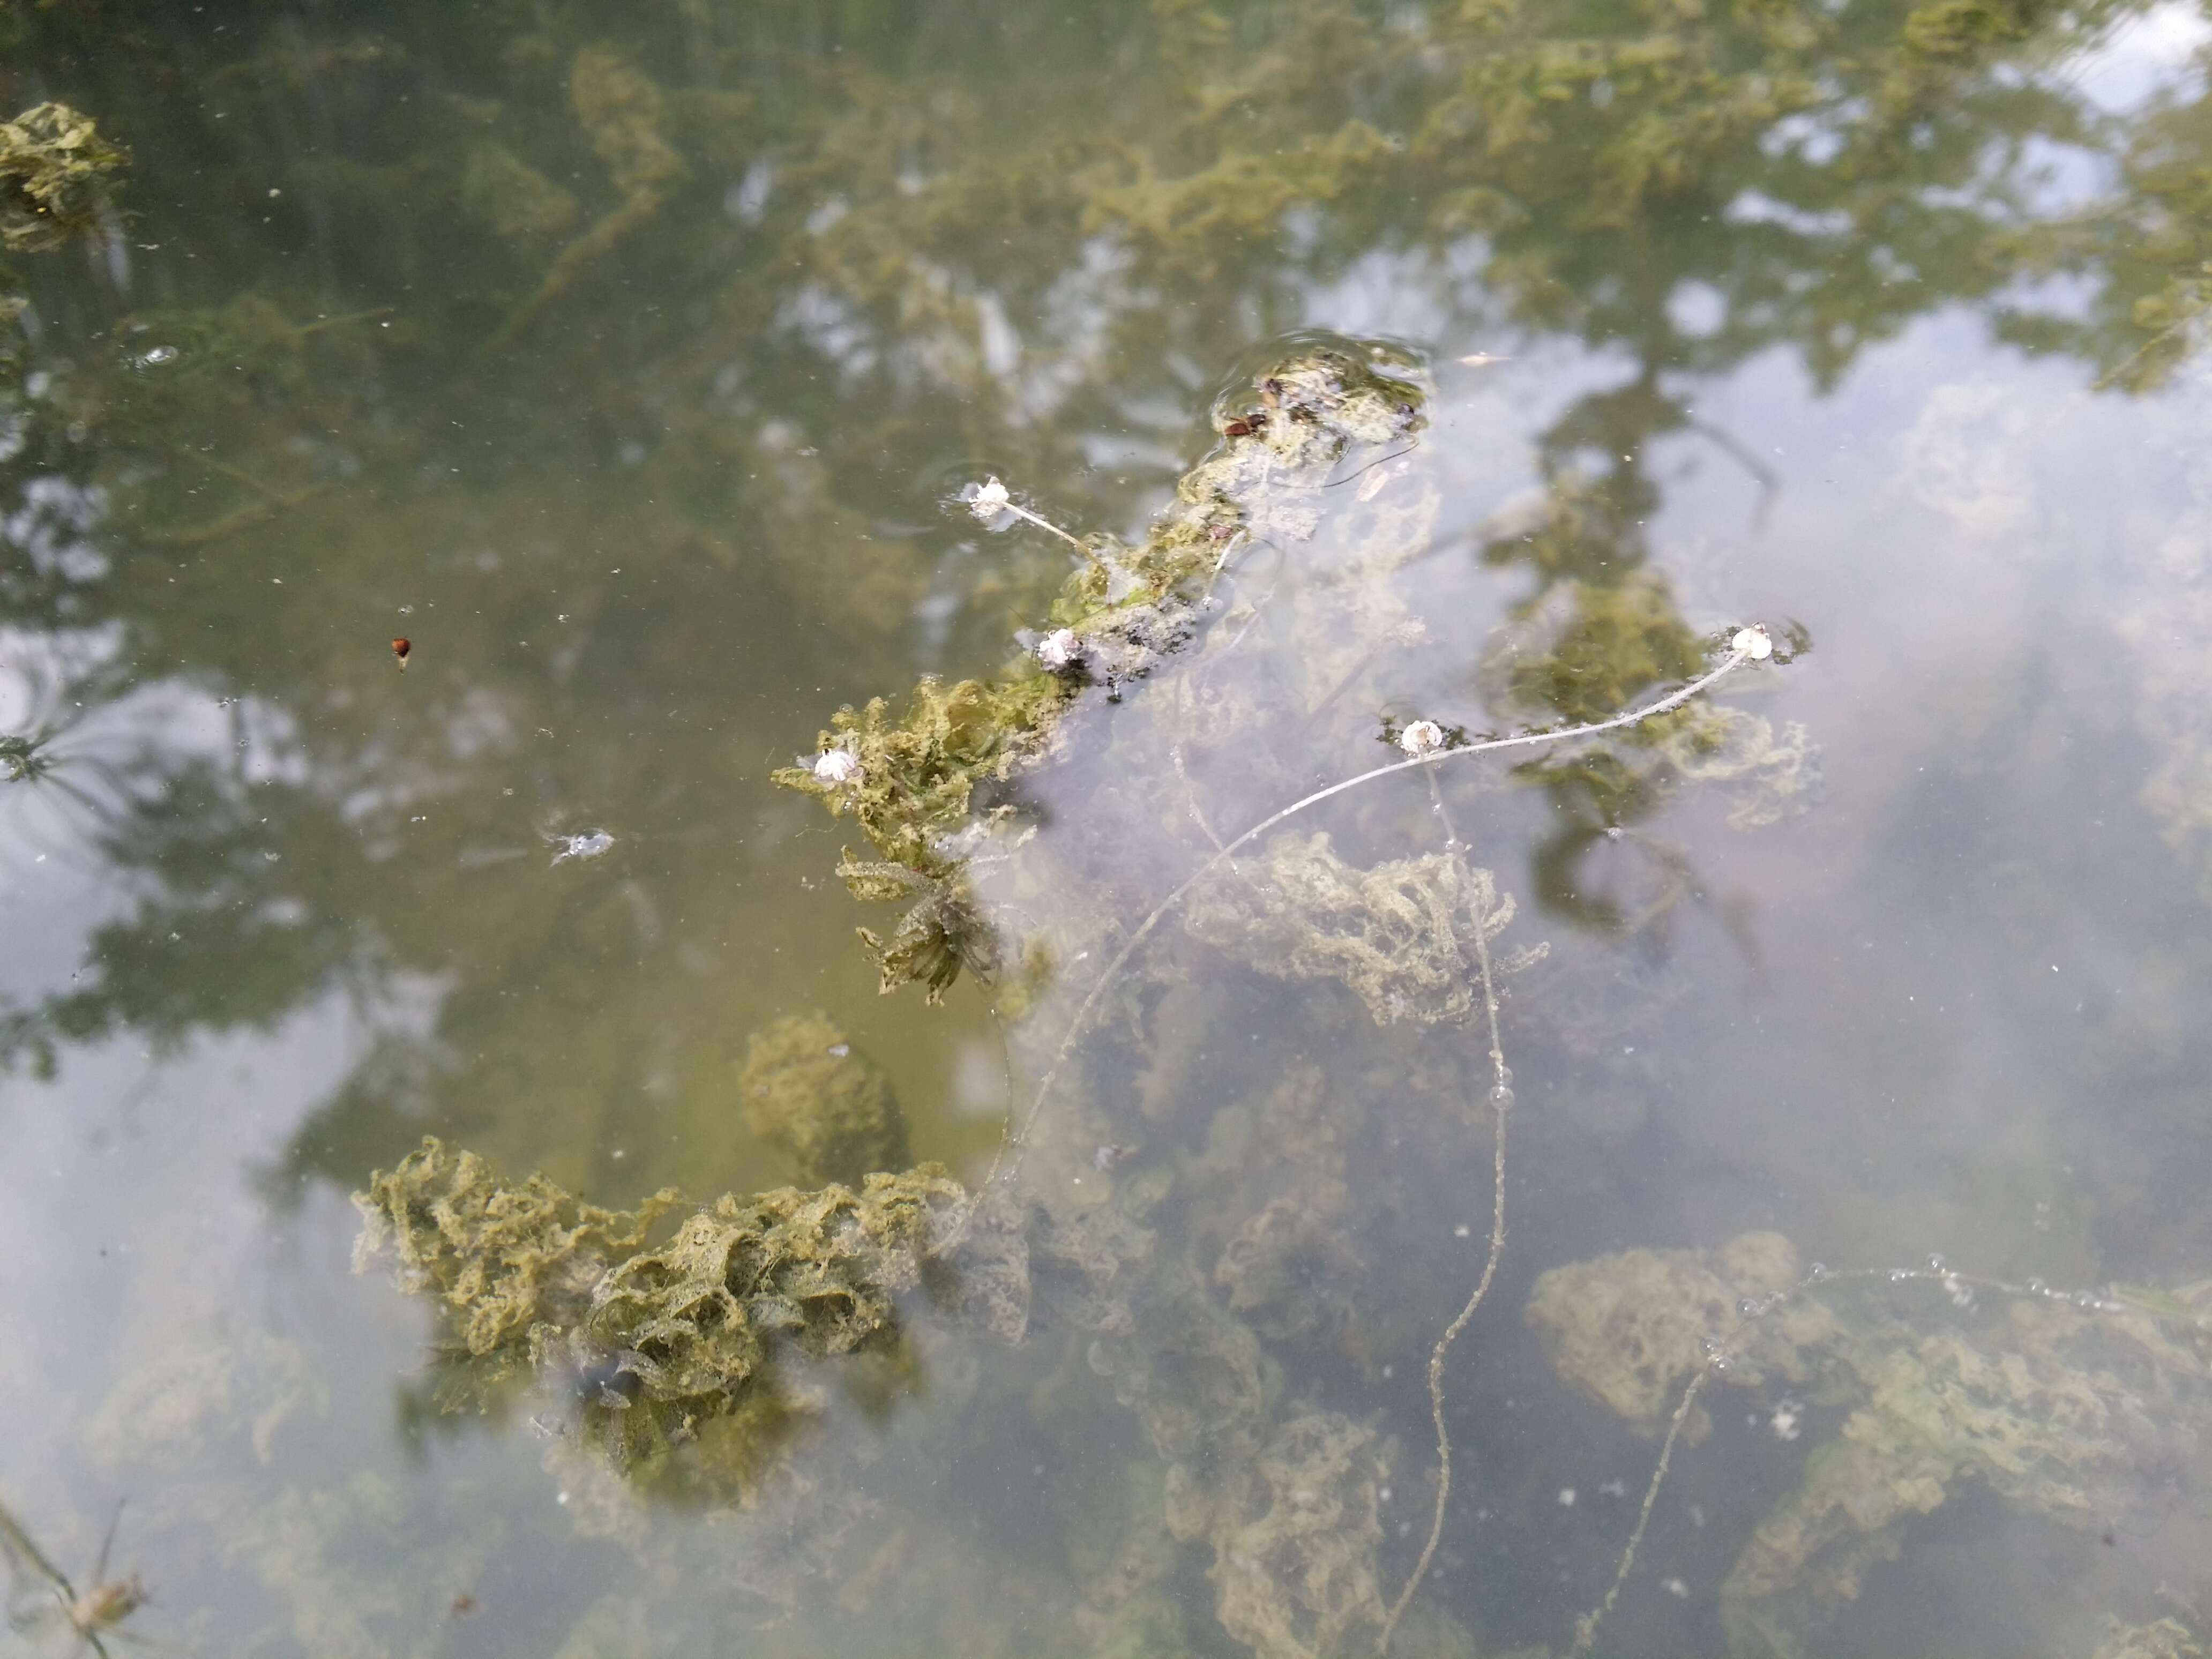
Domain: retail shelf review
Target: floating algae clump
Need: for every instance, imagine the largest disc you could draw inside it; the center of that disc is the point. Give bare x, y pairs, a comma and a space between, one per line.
913, 781
53, 168
821, 1271
804, 1092
529, 1270
500, 1259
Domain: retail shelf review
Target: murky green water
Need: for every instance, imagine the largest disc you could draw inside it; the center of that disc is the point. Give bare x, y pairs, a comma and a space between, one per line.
637, 364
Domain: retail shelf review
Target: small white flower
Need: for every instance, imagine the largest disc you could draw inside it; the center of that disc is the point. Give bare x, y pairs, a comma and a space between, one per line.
1422, 738
1788, 1419
989, 500
1752, 643
1676, 1588
1059, 650
835, 766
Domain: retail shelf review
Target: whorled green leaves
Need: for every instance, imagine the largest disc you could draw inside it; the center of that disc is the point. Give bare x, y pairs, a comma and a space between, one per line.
54, 177
926, 784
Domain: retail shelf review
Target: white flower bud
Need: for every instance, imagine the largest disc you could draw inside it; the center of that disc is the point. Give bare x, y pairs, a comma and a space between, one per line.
1422, 738
989, 500
1752, 643
835, 766
1059, 650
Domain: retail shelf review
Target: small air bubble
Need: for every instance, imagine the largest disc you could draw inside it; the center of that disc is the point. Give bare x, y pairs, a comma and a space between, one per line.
2037, 1287
1936, 1264
1898, 1275
1720, 1364
1502, 1098
1747, 1308
2086, 1301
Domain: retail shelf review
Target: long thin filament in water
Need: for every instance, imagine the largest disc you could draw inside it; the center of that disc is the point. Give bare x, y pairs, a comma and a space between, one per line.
1954, 1283
1501, 1100
1586, 1626
1007, 1159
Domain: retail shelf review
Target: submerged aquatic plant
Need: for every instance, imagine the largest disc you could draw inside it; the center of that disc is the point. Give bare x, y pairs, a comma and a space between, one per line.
1410, 938
913, 781
805, 1090
683, 1334
2053, 1402
54, 168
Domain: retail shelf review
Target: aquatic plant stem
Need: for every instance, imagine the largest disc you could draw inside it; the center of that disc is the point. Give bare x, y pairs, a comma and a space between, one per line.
1501, 1100
1586, 1626
1006, 1161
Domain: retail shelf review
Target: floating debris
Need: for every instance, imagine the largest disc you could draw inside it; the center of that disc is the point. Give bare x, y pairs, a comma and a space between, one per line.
1060, 651
584, 844
99, 1611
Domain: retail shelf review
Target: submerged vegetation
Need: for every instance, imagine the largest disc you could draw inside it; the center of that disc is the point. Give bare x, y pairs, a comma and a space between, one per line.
54, 168
2055, 1401
504, 336
914, 783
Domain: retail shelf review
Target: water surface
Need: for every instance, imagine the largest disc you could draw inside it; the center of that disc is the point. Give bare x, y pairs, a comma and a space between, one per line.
629, 364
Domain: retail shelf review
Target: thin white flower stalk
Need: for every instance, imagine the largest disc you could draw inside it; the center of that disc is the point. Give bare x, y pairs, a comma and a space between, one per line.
991, 499
1006, 1161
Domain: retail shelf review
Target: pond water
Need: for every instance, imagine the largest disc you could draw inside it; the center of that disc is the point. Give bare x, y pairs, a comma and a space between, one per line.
453, 458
